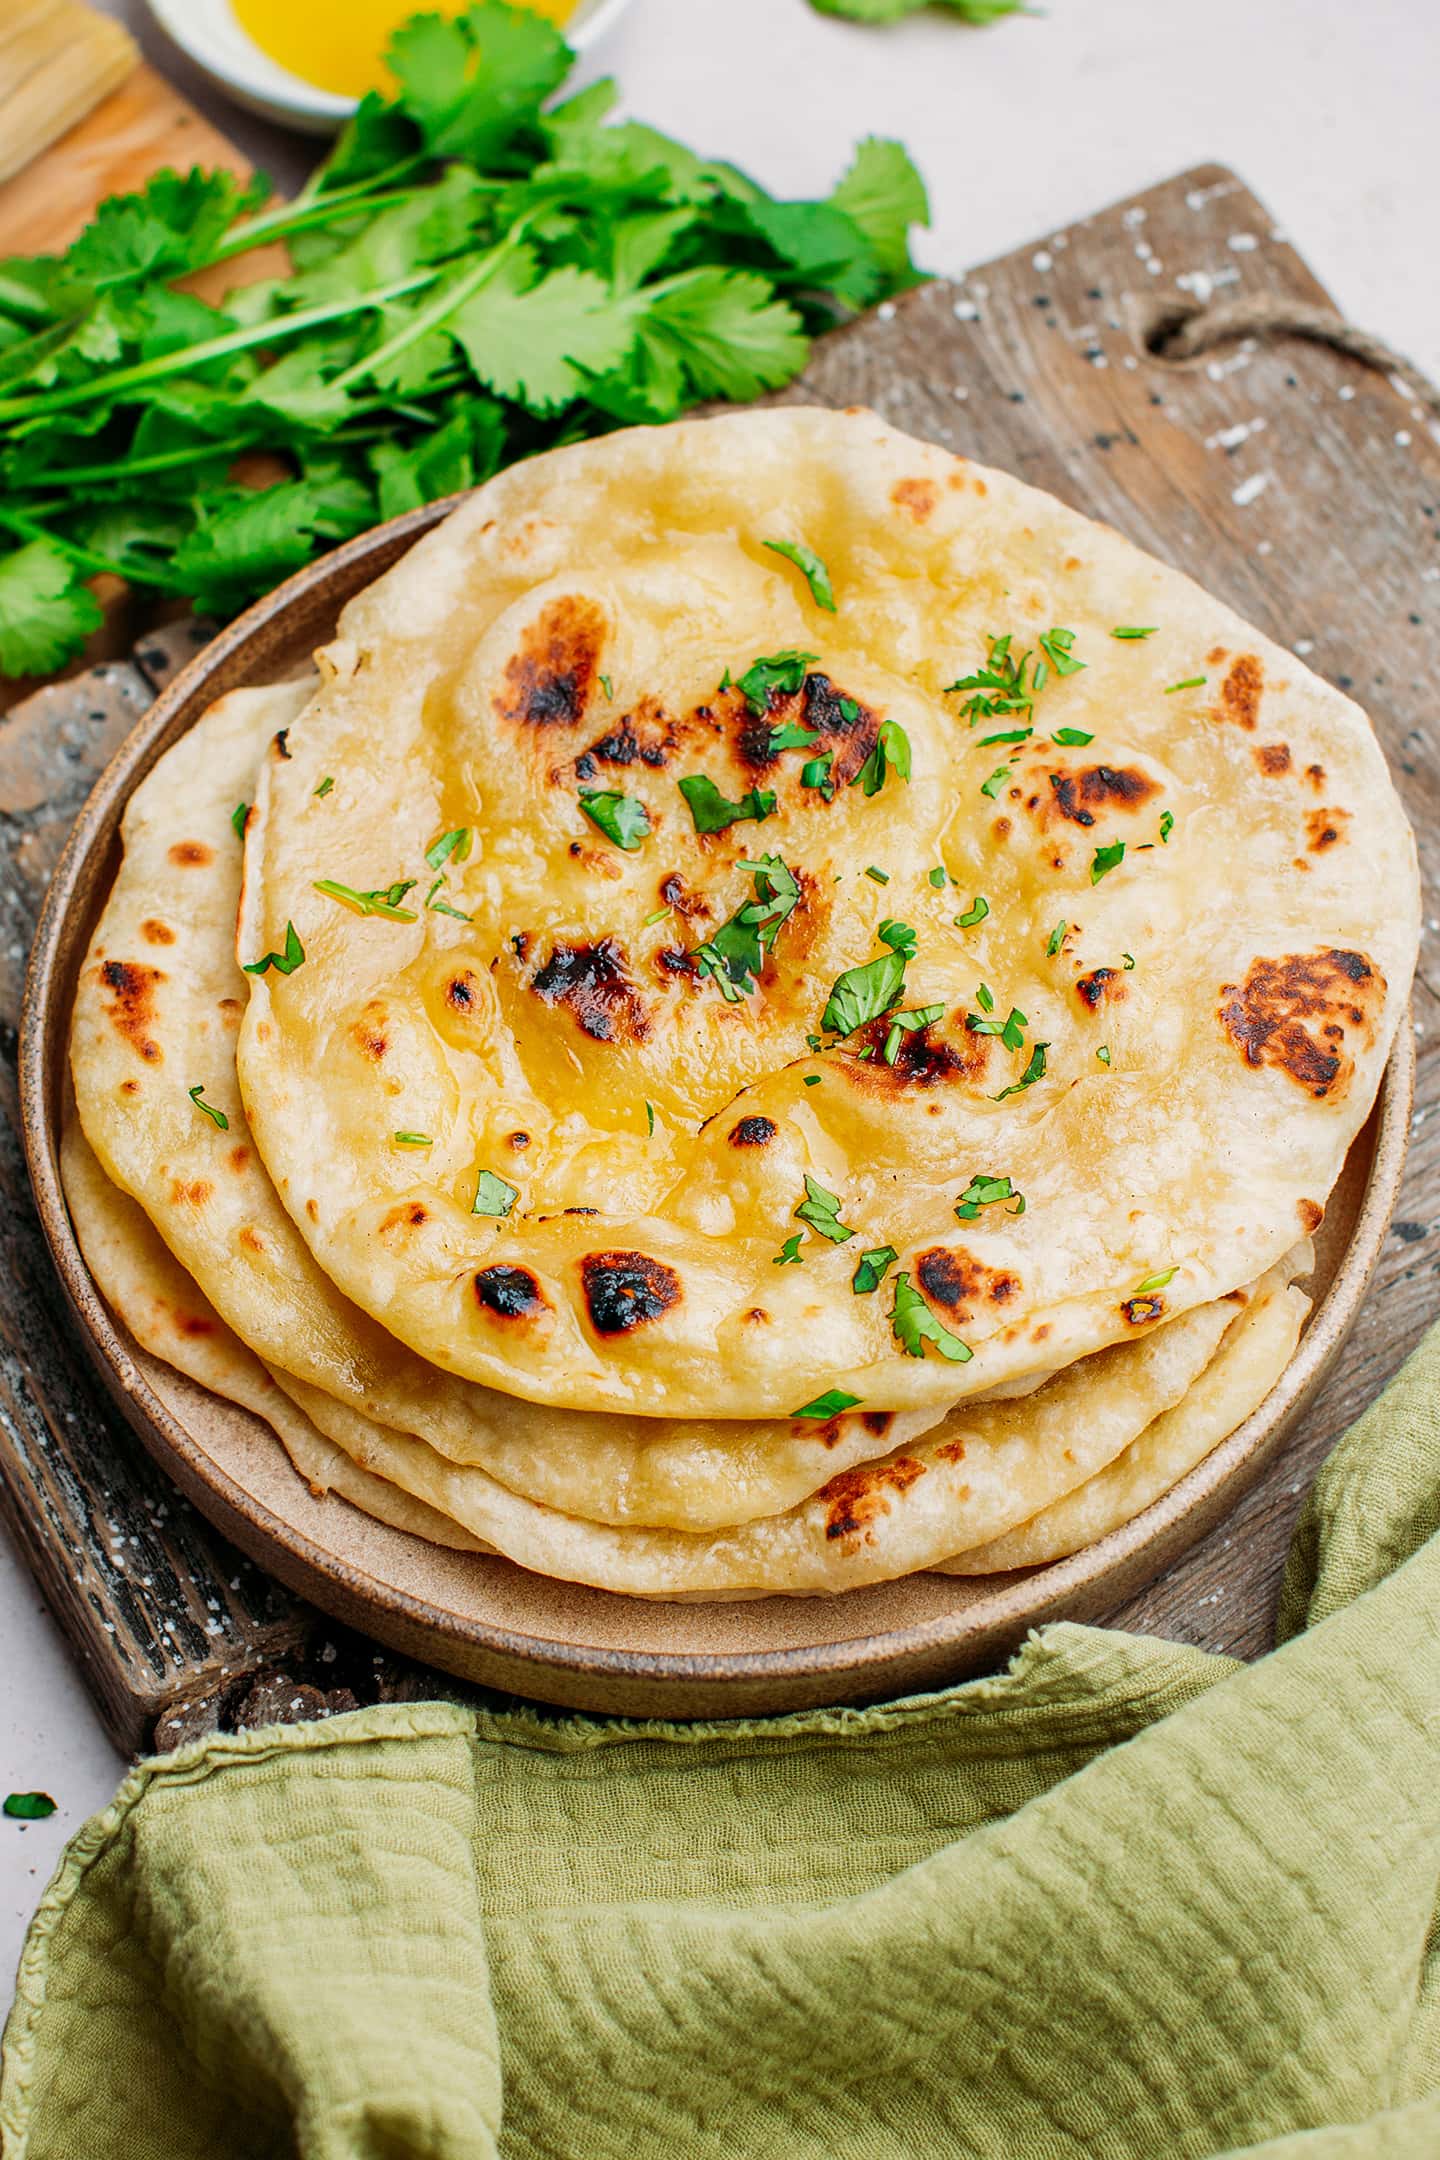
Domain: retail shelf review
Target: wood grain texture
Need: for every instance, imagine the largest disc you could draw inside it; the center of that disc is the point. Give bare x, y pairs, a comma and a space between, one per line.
1296, 484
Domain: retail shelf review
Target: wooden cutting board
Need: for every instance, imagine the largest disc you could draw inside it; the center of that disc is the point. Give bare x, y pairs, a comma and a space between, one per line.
1299, 485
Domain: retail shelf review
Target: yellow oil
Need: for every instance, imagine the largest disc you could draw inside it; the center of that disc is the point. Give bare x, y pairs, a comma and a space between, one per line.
339, 45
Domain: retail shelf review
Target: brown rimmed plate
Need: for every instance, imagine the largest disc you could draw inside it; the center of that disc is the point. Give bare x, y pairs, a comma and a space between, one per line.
484, 1618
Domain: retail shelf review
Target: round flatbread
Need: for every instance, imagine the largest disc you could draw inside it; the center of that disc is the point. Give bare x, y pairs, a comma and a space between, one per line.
157, 1007
607, 834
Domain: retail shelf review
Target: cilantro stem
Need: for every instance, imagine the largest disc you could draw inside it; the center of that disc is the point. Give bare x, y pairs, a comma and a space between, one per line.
94, 565
445, 303
308, 210
266, 333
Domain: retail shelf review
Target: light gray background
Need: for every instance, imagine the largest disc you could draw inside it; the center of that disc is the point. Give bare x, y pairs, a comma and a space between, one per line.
1329, 108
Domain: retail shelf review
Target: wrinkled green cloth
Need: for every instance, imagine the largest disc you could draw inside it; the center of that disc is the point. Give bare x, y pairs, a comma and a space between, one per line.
1125, 1901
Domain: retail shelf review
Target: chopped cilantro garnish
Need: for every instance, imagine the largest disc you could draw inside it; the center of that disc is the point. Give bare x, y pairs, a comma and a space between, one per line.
1156, 1282
713, 812
622, 818
908, 1023
1034, 1071
938, 877
914, 1325
1129, 960
1057, 939
790, 1254
1131, 630
325, 786
238, 816
814, 572
999, 687
1071, 737
608, 687
650, 1117
1167, 826
1191, 682
733, 957
996, 781
443, 907
284, 963
791, 737
413, 1139
863, 993
454, 844
986, 1192
383, 900
1009, 735
1011, 1030
881, 877
492, 1195
984, 999
656, 915
1056, 646
29, 1806
874, 1266
812, 1079
815, 773
831, 1404
1106, 859
1103, 1053
821, 1211
891, 753
216, 1117
783, 672
977, 911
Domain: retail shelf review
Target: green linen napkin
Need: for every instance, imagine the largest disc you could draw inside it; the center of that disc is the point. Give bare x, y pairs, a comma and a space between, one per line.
1125, 1901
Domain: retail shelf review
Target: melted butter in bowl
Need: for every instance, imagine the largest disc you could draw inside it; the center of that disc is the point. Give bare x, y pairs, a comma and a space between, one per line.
340, 45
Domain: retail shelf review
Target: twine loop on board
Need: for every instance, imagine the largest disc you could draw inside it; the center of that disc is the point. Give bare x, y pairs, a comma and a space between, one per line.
1187, 330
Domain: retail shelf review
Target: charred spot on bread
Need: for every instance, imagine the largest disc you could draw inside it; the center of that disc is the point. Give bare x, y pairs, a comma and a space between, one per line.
1311, 1215
959, 1283
1079, 796
1140, 1311
854, 1499
1273, 759
191, 854
624, 1290
1295, 1014
132, 988
592, 983
156, 932
1324, 828
922, 1058
1241, 691
753, 1132
549, 680
1101, 986
511, 1293
918, 497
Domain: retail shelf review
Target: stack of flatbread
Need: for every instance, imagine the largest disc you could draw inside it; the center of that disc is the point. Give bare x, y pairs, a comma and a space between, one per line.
780, 1010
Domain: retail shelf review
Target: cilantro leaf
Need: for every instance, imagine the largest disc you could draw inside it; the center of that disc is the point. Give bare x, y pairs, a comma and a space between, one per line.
46, 613
1106, 859
284, 963
985, 1192
908, 1023
1034, 1071
36, 1806
734, 956
914, 1325
492, 1195
808, 563
535, 338
217, 1117
713, 812
622, 818
1056, 646
874, 1266
472, 83
864, 993
383, 900
783, 672
820, 1210
790, 1255
891, 753
885, 196
451, 846
833, 1403
171, 226
977, 911
732, 338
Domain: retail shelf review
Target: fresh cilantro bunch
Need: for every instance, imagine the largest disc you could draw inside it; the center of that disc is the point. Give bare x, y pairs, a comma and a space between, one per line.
477, 274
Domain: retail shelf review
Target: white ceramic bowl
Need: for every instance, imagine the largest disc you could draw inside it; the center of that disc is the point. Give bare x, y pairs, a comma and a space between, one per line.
208, 31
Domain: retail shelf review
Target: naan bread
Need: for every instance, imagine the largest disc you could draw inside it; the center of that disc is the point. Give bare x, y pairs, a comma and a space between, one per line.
997, 1468
1216, 1003
1251, 1360
157, 1304
157, 1008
